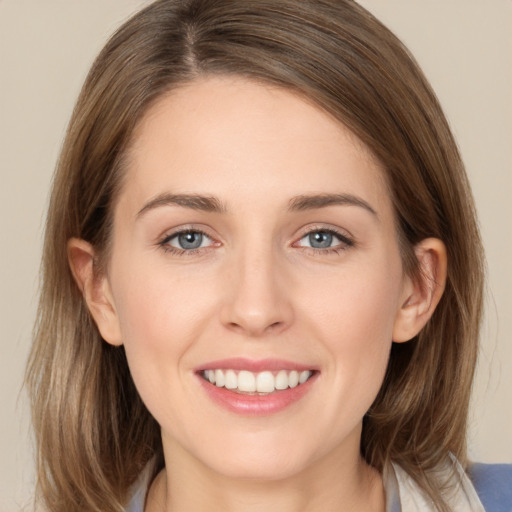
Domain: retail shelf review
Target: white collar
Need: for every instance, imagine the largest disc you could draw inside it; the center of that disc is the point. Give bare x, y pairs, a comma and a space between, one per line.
402, 492
404, 495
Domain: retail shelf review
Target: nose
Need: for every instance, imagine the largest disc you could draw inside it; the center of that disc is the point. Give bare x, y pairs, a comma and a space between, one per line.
257, 298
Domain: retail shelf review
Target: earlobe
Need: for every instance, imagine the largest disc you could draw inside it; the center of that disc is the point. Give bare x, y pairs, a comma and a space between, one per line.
95, 289
422, 294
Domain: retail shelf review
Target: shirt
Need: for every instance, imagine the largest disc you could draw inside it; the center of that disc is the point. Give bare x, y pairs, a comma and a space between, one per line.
493, 481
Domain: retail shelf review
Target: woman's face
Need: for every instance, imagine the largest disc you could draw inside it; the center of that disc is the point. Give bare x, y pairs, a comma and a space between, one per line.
254, 246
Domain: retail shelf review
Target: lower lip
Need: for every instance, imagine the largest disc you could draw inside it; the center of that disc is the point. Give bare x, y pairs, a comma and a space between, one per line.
256, 405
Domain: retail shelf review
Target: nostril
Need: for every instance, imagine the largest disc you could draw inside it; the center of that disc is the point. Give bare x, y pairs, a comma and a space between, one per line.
255, 330
256, 313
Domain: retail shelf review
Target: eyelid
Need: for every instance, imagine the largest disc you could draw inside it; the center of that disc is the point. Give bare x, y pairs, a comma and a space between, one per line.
163, 240
175, 236
346, 239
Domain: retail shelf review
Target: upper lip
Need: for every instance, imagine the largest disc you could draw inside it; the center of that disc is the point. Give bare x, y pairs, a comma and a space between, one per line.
252, 365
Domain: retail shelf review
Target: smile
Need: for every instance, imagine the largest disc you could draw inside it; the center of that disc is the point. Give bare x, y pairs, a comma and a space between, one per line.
251, 387
260, 383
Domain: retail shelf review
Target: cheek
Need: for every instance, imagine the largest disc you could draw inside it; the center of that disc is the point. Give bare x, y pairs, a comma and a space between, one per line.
354, 317
154, 304
161, 315
357, 306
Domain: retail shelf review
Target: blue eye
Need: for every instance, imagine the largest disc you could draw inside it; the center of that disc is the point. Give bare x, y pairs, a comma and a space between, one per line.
188, 240
325, 239
320, 239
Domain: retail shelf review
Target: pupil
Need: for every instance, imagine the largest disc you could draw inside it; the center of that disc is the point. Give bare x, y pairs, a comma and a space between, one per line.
320, 240
190, 240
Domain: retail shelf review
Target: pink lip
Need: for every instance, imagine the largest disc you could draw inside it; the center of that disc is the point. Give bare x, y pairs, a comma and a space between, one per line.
240, 363
255, 405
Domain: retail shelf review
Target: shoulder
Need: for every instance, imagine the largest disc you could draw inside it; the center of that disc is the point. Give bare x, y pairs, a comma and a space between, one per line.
493, 484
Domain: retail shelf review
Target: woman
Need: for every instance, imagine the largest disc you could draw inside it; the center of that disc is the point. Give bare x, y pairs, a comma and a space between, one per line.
262, 273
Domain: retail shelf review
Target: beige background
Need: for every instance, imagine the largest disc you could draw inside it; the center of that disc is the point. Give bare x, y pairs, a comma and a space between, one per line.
46, 48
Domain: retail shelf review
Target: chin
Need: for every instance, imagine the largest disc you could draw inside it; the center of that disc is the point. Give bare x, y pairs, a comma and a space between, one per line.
262, 470
261, 461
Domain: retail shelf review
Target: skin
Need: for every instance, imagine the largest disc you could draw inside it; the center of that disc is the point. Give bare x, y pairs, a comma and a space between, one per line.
255, 289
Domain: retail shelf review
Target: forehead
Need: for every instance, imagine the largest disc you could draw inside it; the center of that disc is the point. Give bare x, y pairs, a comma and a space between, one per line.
223, 135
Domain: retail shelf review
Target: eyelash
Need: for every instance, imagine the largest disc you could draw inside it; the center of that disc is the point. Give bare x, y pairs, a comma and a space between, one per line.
164, 243
345, 242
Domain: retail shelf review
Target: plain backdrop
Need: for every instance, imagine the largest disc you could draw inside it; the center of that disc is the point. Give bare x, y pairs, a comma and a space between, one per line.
46, 48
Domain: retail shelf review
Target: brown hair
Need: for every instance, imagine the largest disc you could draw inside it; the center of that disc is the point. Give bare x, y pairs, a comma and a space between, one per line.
93, 433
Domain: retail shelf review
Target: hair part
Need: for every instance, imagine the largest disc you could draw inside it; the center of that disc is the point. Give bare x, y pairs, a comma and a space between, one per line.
94, 434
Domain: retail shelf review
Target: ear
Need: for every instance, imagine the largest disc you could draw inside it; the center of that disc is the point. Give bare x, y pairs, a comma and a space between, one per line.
422, 294
95, 288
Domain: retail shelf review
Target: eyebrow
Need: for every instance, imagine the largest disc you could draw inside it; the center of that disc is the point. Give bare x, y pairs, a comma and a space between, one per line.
212, 204
314, 201
192, 201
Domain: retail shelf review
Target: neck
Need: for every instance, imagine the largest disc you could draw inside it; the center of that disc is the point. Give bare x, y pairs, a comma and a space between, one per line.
328, 485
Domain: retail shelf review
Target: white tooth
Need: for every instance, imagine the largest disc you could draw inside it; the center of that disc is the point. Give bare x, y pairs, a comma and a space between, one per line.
265, 382
293, 379
246, 381
211, 376
304, 376
230, 380
219, 378
282, 380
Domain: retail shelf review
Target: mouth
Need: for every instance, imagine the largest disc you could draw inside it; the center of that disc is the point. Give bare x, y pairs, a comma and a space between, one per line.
261, 383
256, 387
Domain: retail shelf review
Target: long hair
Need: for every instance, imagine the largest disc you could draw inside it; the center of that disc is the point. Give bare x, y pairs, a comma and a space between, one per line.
93, 433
